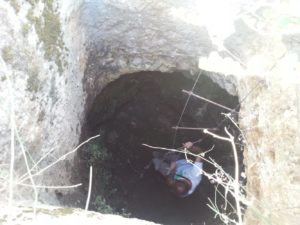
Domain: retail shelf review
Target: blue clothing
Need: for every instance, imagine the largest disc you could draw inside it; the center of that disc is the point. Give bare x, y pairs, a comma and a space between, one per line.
192, 171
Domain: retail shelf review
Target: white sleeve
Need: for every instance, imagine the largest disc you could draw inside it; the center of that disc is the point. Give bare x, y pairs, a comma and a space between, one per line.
197, 168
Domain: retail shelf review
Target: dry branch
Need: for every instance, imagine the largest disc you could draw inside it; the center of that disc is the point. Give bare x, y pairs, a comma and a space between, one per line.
51, 187
207, 100
194, 128
63, 157
236, 185
179, 151
90, 189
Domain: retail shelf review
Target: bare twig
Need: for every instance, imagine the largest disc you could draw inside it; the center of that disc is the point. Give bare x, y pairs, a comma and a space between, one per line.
227, 183
216, 136
194, 128
236, 174
90, 189
179, 151
222, 216
207, 151
184, 108
215, 177
207, 100
234, 56
60, 158
235, 124
236, 177
226, 200
37, 163
221, 178
51, 187
29, 173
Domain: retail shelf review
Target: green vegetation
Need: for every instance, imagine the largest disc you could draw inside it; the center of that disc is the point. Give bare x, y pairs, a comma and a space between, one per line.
102, 160
3, 78
25, 29
32, 2
15, 5
48, 29
33, 82
101, 206
99, 157
98, 153
7, 54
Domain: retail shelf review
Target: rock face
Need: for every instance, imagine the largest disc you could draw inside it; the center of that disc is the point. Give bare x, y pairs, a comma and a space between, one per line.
54, 215
128, 38
41, 93
272, 156
57, 56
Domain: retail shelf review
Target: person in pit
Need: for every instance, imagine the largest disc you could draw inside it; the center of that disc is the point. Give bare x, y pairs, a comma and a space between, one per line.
181, 176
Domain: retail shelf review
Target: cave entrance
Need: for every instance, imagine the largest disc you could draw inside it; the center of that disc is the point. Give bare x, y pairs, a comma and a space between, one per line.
142, 108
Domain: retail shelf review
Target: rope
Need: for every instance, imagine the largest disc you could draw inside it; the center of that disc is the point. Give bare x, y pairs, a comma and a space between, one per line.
184, 108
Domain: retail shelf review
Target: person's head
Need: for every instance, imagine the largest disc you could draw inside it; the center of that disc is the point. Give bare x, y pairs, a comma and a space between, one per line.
180, 187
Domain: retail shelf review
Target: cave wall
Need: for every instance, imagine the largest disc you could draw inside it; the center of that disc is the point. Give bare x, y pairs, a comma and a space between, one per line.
41, 78
58, 55
138, 36
270, 119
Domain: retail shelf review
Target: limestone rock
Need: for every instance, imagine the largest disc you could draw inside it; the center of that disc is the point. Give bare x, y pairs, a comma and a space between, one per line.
54, 215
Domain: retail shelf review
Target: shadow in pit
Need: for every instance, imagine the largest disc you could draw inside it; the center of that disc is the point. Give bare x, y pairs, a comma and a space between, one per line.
142, 108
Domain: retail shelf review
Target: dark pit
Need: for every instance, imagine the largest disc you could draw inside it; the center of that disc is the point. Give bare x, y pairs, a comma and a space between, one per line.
143, 108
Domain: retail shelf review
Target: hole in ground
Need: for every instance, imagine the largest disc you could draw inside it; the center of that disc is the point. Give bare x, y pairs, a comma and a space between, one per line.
142, 108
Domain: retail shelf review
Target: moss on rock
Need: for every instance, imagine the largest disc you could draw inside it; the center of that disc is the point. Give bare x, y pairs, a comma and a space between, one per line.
48, 29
